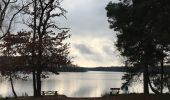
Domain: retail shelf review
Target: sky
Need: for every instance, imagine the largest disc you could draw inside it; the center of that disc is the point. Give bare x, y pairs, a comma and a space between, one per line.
92, 42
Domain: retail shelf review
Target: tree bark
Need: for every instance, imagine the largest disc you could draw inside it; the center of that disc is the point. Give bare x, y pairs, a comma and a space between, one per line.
34, 83
38, 82
33, 50
162, 71
145, 80
39, 69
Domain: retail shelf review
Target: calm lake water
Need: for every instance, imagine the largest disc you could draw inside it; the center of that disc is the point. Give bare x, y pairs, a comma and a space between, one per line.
71, 84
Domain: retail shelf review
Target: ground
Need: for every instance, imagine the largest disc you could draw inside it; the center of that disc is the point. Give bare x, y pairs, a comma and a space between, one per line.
115, 97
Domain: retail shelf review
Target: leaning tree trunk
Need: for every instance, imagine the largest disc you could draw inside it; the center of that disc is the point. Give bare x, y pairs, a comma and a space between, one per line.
12, 85
153, 89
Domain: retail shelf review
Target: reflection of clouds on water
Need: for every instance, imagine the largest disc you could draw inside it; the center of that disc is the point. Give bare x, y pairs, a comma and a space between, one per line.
88, 84
83, 91
3, 88
48, 85
68, 86
22, 87
87, 88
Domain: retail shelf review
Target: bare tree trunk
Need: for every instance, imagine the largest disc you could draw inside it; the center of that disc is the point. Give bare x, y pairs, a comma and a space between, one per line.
145, 80
39, 83
33, 50
34, 83
12, 86
39, 69
162, 72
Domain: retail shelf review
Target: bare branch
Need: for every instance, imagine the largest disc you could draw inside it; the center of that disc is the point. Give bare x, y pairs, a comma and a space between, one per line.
13, 1
12, 19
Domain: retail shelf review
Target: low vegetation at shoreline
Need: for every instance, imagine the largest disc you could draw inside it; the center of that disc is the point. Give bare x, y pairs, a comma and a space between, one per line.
113, 97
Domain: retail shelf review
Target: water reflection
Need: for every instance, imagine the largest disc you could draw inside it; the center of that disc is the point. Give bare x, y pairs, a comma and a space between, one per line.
87, 84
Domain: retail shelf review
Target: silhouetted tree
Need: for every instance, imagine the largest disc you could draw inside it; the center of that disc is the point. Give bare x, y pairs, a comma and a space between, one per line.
141, 36
46, 46
10, 66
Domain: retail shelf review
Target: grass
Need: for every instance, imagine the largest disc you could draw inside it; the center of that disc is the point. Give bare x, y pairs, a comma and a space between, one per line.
105, 97
1, 97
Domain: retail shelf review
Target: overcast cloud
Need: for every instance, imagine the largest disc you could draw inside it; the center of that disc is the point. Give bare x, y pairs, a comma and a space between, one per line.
92, 42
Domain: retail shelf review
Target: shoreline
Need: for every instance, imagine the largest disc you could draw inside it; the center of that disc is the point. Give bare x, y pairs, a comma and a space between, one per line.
114, 97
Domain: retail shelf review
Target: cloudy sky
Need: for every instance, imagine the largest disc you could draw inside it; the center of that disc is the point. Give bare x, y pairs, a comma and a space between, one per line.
92, 42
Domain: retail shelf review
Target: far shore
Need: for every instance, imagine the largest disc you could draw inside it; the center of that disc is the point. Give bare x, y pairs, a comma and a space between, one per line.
114, 97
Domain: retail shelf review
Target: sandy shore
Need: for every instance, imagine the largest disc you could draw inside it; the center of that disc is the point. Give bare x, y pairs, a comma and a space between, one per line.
116, 97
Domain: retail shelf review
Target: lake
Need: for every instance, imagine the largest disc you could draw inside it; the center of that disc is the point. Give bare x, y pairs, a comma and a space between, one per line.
72, 84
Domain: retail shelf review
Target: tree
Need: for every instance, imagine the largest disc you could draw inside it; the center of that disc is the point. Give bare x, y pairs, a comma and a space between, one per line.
9, 9
41, 45
11, 63
46, 42
139, 35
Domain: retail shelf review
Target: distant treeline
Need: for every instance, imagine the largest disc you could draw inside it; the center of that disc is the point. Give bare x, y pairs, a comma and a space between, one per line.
85, 69
114, 68
63, 68
74, 68
71, 69
109, 69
